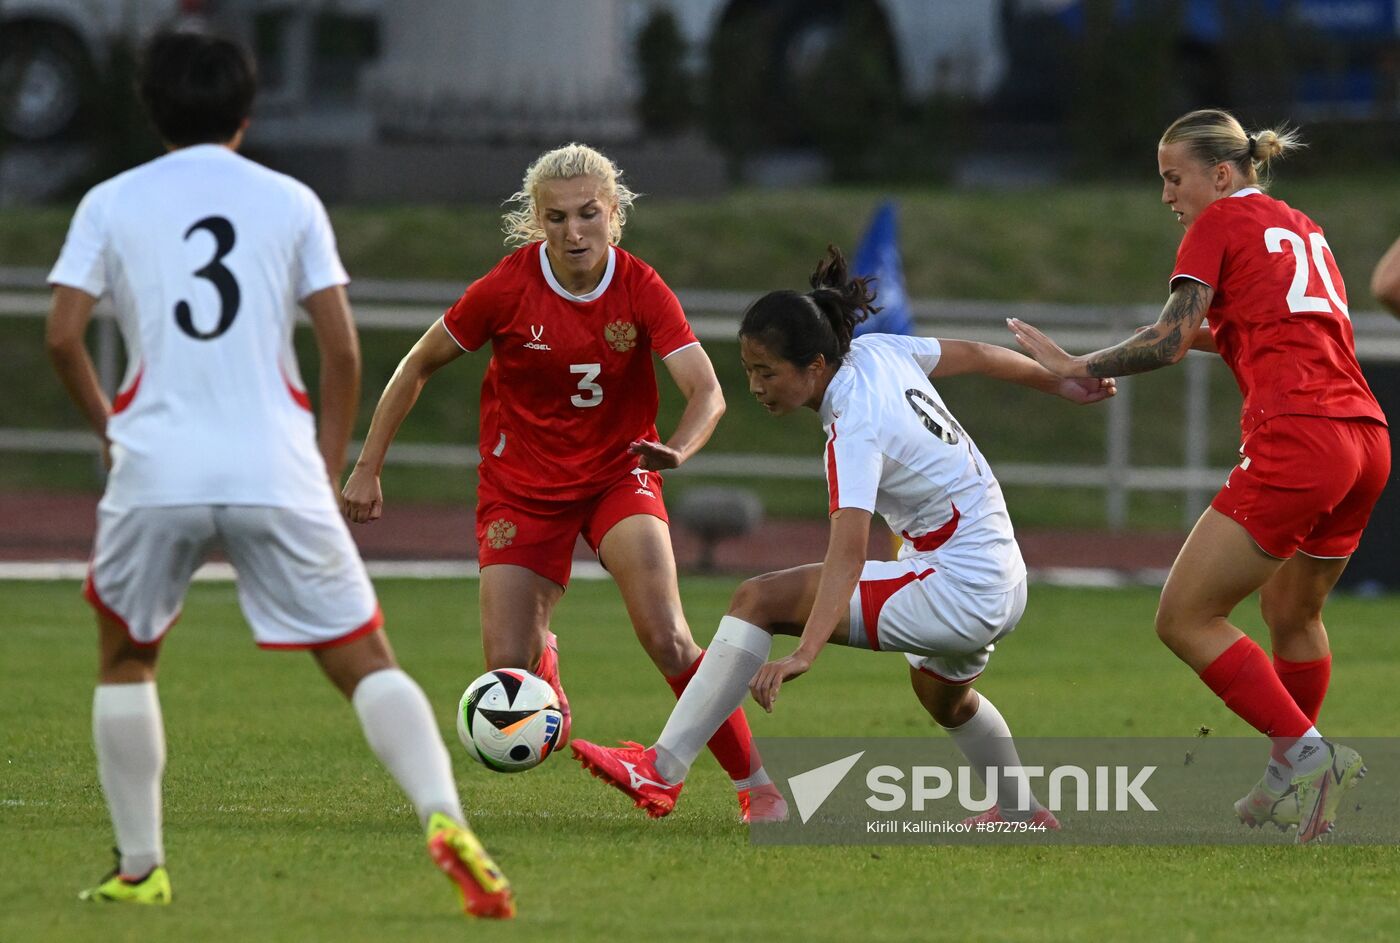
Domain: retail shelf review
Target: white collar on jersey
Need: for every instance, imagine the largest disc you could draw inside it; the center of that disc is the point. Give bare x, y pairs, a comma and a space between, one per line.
563, 292
1247, 191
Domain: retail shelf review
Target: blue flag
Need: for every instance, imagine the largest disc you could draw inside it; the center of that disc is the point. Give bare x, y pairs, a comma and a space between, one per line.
878, 258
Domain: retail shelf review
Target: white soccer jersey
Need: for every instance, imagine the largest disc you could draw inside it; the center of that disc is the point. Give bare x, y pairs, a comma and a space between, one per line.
205, 255
893, 448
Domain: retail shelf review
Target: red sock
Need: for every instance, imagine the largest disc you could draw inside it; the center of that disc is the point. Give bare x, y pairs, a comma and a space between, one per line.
1243, 678
1306, 682
732, 743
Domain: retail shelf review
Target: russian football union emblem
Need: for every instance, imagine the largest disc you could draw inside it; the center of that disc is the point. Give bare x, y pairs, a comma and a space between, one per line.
500, 534
620, 335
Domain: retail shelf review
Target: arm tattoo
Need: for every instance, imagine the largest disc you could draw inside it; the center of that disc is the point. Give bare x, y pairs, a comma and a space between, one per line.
1163, 343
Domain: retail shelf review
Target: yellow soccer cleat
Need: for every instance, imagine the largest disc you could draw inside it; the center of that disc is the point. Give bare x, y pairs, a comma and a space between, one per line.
154, 888
458, 854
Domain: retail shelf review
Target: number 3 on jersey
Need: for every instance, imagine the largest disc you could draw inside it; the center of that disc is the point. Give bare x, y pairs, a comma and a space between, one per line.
1299, 301
221, 278
591, 393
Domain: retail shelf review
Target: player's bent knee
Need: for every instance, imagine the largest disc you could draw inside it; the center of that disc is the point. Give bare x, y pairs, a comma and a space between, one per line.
748, 601
669, 645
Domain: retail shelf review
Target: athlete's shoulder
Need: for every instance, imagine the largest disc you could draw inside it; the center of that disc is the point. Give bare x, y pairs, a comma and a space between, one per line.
273, 181
113, 187
506, 282
519, 264
632, 270
885, 349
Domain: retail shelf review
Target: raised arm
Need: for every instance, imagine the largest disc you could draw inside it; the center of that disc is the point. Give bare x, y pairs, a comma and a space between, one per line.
362, 499
1385, 280
694, 376
963, 357
69, 314
1160, 345
339, 348
845, 558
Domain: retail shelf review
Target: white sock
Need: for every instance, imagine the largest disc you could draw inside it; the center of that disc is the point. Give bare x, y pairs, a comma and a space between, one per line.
755, 780
129, 736
739, 649
403, 733
1307, 753
986, 742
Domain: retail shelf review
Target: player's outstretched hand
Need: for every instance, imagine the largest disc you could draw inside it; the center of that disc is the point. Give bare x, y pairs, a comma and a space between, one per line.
655, 455
1085, 390
362, 500
1043, 350
771, 676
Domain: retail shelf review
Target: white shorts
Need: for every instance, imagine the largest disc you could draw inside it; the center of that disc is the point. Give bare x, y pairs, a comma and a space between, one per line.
301, 582
943, 627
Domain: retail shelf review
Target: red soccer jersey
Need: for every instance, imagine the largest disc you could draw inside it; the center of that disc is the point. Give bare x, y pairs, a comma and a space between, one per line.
571, 383
1279, 316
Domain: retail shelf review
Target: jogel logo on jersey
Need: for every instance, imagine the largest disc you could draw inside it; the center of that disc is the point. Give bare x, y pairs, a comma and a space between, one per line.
643, 485
620, 335
500, 534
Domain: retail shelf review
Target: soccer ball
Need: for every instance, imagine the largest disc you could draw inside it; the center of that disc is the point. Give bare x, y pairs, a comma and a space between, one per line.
509, 720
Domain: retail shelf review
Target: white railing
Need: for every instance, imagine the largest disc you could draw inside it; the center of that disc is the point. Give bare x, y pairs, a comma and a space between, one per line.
383, 305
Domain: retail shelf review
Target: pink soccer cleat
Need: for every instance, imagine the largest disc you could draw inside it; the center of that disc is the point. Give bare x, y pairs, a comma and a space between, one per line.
762, 804
548, 669
632, 769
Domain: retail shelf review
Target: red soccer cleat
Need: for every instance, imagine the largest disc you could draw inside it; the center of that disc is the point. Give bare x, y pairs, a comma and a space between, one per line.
548, 669
762, 804
1043, 819
632, 769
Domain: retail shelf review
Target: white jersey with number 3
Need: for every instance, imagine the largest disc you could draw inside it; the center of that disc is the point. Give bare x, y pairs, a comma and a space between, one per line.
205, 255
893, 448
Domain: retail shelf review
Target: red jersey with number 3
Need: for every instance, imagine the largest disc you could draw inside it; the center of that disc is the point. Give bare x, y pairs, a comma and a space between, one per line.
571, 382
1279, 316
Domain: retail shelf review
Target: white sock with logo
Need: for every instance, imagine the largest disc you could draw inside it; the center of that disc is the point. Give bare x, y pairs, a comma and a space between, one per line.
129, 737
986, 742
1307, 753
401, 730
738, 650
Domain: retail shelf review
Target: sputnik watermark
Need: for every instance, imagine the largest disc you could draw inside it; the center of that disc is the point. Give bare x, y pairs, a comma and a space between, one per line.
1063, 791
1112, 789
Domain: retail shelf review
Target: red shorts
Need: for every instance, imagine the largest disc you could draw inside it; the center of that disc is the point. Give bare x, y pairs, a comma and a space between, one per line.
540, 535
1307, 483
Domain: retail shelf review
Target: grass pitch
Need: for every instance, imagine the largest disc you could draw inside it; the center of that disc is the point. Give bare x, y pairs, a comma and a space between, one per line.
280, 825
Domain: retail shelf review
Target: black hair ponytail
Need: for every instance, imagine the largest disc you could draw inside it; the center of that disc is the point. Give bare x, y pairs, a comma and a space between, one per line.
799, 327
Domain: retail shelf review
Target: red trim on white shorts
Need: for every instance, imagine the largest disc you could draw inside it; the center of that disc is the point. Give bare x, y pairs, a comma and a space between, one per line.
375, 622
953, 681
873, 596
95, 600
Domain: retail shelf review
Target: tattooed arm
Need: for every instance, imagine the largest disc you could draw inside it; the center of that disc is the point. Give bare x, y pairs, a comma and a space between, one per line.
1160, 345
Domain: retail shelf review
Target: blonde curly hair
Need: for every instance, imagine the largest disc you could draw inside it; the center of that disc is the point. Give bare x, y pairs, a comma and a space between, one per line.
522, 224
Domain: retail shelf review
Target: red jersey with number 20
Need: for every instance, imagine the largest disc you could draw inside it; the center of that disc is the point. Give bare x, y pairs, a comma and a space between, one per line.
571, 382
1279, 316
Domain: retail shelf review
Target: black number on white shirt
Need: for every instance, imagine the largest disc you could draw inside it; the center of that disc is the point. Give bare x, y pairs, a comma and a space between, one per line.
1299, 301
922, 403
221, 278
948, 431
592, 393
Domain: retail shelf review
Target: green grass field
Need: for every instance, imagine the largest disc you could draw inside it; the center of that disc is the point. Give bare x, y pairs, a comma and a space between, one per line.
281, 826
